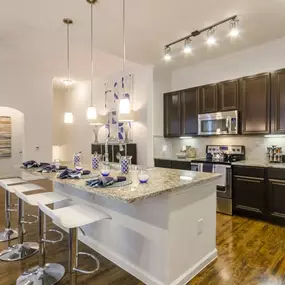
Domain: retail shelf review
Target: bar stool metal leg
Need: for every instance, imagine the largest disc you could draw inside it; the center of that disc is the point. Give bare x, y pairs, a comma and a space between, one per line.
72, 260
21, 250
8, 233
44, 274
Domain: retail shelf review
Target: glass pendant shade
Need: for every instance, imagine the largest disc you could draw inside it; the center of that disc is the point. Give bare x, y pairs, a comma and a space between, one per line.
68, 118
124, 107
91, 114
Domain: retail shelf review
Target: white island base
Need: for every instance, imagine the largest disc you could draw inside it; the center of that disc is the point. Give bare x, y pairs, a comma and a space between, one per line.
161, 240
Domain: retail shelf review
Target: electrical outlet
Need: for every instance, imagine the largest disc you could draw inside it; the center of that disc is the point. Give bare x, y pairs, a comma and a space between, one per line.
200, 227
164, 148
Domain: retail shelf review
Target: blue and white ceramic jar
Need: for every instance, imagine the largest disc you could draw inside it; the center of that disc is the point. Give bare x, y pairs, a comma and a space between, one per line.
125, 162
77, 159
95, 161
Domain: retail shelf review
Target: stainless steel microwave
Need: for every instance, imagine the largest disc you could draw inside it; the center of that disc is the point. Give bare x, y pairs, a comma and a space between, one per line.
220, 123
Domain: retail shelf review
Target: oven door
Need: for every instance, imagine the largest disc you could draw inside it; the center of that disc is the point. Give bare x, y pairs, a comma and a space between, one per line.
221, 123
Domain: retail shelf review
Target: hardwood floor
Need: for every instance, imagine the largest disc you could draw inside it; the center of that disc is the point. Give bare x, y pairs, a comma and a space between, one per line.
250, 252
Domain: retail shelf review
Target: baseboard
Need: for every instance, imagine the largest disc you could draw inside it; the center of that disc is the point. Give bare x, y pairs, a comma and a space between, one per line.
119, 261
198, 267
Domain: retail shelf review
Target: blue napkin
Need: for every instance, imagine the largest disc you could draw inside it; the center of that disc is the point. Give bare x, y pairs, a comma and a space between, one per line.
74, 174
104, 181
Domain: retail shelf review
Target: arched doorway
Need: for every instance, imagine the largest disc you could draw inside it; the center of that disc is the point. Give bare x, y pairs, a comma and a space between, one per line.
11, 146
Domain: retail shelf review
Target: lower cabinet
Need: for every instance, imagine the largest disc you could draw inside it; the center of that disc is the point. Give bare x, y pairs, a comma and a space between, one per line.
174, 164
276, 195
249, 195
260, 193
162, 163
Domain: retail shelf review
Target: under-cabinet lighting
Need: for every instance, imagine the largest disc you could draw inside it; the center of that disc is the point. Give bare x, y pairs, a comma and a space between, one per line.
274, 136
184, 138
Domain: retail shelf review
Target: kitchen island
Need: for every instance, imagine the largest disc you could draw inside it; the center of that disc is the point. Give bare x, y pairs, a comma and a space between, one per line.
162, 232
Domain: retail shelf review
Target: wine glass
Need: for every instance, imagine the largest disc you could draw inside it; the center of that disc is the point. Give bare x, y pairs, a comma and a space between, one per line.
105, 168
143, 175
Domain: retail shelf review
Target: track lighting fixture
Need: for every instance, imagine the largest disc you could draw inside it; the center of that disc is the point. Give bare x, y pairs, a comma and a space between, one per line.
167, 55
234, 28
211, 39
187, 46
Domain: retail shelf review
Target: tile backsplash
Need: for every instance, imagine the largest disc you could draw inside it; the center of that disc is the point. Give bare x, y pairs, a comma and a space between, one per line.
255, 146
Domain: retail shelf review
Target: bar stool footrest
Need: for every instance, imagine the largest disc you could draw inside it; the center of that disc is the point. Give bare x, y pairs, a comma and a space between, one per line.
32, 222
91, 256
54, 241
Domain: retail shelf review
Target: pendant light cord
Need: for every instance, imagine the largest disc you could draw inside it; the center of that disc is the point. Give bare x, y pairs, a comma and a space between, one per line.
124, 46
68, 54
124, 36
92, 61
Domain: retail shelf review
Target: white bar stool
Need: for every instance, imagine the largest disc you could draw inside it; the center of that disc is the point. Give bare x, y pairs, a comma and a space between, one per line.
72, 218
8, 233
22, 249
44, 274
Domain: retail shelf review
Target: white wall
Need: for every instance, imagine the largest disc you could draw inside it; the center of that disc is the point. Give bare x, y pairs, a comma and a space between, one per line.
29, 90
267, 57
79, 136
17, 139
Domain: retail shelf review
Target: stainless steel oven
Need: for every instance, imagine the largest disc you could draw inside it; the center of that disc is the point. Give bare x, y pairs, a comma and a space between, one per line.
224, 184
220, 123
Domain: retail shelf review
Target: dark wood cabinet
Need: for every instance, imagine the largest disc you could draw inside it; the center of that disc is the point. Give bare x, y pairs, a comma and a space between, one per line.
278, 102
130, 149
183, 165
228, 95
276, 195
189, 112
255, 104
164, 163
249, 191
172, 114
208, 98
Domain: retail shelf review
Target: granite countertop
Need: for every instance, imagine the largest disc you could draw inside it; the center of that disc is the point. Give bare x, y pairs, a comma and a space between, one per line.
161, 180
259, 163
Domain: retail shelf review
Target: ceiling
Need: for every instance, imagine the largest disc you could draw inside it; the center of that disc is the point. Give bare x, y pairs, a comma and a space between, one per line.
33, 30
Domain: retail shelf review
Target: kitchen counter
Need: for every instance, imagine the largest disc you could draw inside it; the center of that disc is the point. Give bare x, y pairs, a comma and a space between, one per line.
161, 180
259, 163
175, 158
154, 226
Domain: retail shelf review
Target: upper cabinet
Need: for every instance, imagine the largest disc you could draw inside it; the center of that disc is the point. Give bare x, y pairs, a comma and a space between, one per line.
228, 95
278, 102
172, 114
208, 98
255, 104
189, 112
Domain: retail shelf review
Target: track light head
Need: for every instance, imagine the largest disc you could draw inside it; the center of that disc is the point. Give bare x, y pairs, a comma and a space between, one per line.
211, 40
187, 46
167, 55
234, 28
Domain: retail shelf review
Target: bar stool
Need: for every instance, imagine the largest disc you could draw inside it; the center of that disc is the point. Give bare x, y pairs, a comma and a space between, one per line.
50, 273
72, 218
22, 249
9, 233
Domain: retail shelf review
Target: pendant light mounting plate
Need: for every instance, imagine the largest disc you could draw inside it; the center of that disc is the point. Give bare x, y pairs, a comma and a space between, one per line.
92, 1
67, 21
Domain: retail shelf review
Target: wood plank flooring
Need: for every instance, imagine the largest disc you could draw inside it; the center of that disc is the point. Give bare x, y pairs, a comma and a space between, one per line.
250, 252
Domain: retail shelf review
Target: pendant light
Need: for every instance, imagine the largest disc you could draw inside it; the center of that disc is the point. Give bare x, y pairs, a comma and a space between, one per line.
124, 107
68, 116
91, 111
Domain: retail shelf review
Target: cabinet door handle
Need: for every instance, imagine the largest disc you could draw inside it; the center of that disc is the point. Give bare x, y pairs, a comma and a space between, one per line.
249, 180
276, 181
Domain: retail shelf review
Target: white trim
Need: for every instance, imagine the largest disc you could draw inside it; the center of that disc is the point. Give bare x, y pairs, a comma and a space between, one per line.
198, 267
